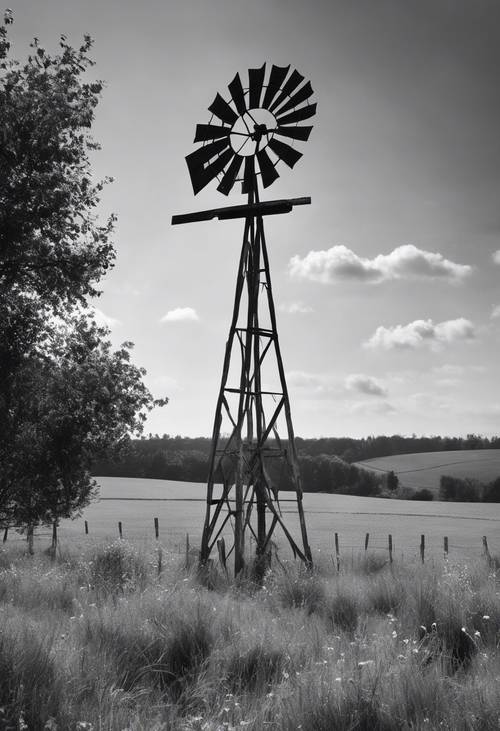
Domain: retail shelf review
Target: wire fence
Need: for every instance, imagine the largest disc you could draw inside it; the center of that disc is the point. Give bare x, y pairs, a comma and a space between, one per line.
340, 550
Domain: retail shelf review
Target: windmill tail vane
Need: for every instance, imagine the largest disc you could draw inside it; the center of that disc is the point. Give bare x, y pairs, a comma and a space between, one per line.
249, 461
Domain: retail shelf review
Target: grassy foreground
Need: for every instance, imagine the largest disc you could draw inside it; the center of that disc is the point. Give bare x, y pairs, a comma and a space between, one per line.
111, 639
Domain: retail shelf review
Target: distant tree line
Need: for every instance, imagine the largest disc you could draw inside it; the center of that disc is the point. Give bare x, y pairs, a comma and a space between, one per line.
185, 458
467, 490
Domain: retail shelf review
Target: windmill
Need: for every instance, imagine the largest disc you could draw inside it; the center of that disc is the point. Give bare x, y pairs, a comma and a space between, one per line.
250, 133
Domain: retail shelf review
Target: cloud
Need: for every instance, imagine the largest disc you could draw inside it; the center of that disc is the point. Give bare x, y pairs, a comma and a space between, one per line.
365, 384
405, 262
181, 314
372, 407
315, 385
105, 320
496, 256
495, 313
296, 308
420, 333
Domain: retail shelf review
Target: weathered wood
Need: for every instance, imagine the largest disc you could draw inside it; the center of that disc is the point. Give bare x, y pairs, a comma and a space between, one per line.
390, 548
5, 534
445, 546
250, 210
86, 528
241, 460
120, 531
337, 551
367, 538
422, 548
157, 528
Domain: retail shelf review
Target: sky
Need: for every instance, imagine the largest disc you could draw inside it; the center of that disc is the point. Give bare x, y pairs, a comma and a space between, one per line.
387, 285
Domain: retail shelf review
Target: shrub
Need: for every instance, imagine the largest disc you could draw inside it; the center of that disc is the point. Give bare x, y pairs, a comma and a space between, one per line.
117, 567
423, 494
342, 611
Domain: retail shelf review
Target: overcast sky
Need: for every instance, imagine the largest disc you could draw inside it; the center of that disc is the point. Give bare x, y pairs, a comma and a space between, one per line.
387, 286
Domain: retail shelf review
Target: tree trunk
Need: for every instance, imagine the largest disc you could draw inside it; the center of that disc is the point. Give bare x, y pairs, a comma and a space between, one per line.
29, 538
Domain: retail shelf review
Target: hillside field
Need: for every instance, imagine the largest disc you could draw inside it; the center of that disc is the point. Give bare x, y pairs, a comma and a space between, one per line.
180, 508
425, 469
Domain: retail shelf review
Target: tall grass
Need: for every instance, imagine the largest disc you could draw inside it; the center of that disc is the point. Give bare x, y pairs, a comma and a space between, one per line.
102, 640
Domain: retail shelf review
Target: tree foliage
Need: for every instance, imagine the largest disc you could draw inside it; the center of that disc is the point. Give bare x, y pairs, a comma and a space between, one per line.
52, 244
65, 396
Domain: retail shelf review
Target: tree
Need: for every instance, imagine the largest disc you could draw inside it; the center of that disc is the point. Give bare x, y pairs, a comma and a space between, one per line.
65, 397
392, 481
77, 400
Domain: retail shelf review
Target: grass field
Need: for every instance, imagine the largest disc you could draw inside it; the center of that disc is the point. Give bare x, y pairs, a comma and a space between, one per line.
96, 638
180, 508
425, 469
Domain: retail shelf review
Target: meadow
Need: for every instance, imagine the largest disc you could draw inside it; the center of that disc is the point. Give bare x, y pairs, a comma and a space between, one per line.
423, 470
180, 507
111, 636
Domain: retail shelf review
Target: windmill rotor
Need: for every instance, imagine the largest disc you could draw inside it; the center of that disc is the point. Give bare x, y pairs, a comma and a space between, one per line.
252, 130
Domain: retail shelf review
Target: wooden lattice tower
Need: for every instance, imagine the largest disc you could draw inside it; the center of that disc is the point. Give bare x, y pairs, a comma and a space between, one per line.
246, 444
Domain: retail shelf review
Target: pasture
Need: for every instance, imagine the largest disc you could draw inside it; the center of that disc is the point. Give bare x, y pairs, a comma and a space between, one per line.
424, 469
180, 508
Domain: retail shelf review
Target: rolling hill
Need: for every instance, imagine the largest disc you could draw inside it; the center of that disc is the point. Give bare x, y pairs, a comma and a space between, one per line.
425, 469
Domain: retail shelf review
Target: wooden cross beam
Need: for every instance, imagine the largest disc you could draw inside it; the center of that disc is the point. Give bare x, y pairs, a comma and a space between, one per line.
250, 210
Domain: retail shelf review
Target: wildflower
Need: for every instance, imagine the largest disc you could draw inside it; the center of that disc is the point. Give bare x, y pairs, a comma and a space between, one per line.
364, 663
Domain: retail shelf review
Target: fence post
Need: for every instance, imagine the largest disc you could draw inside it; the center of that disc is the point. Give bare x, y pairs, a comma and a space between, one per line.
390, 548
367, 538
422, 547
54, 535
187, 550
120, 528
445, 546
486, 549
221, 547
86, 528
157, 529
5, 533
337, 552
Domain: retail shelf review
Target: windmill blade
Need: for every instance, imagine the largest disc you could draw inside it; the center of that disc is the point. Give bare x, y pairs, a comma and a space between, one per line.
304, 93
229, 177
267, 169
276, 78
299, 115
248, 175
295, 133
290, 86
205, 132
255, 83
202, 176
238, 95
196, 161
222, 110
285, 152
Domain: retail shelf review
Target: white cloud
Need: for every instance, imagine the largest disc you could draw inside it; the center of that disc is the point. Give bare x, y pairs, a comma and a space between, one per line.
314, 384
495, 313
181, 314
496, 256
365, 384
405, 262
105, 320
296, 308
372, 407
421, 332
